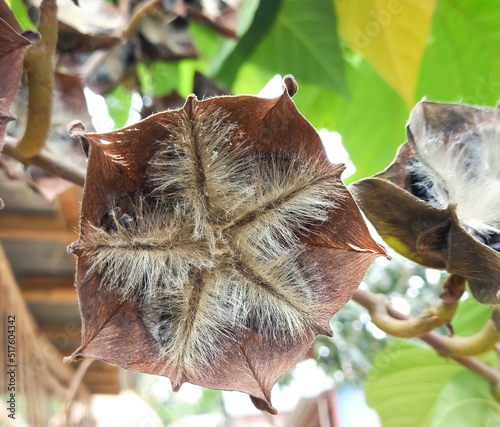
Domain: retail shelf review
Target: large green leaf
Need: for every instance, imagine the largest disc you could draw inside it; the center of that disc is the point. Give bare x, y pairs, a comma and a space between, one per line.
404, 383
255, 21
462, 63
391, 35
251, 79
226, 46
317, 105
371, 121
303, 41
466, 401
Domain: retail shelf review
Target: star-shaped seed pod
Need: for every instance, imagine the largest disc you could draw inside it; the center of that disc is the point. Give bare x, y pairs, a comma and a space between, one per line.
216, 242
438, 203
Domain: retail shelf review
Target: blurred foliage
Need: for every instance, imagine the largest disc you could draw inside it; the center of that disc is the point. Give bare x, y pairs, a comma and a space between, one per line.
348, 356
413, 386
361, 83
19, 9
405, 382
119, 102
391, 36
465, 401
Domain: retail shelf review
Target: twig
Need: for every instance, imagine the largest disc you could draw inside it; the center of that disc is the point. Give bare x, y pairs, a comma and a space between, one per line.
140, 12
40, 70
370, 300
479, 343
48, 162
437, 316
412, 327
75, 384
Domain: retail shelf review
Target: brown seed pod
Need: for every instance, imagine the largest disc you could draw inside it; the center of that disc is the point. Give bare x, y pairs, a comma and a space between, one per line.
438, 203
216, 243
13, 46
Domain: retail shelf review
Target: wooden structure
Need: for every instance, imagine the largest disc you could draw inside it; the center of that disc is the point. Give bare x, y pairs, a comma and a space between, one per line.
318, 411
34, 234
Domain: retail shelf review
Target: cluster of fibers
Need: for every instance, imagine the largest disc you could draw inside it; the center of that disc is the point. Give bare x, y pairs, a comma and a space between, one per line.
214, 249
464, 170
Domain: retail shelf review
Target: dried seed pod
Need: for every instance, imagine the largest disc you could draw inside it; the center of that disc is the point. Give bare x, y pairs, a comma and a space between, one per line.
216, 243
438, 203
13, 46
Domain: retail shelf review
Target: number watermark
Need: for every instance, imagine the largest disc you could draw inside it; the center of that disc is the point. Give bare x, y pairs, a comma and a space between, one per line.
11, 367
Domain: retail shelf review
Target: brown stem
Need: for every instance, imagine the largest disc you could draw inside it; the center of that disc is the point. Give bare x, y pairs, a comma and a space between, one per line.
479, 343
40, 70
48, 162
369, 300
411, 327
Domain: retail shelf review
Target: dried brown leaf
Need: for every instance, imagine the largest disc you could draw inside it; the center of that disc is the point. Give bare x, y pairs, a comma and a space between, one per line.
13, 47
12, 50
8, 16
164, 39
72, 40
95, 23
219, 15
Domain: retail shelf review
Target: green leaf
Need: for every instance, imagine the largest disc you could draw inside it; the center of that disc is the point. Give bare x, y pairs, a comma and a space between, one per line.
253, 28
21, 14
187, 69
226, 46
145, 79
303, 41
391, 36
246, 16
160, 77
206, 42
371, 121
462, 63
251, 79
466, 401
405, 381
470, 317
119, 102
317, 105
